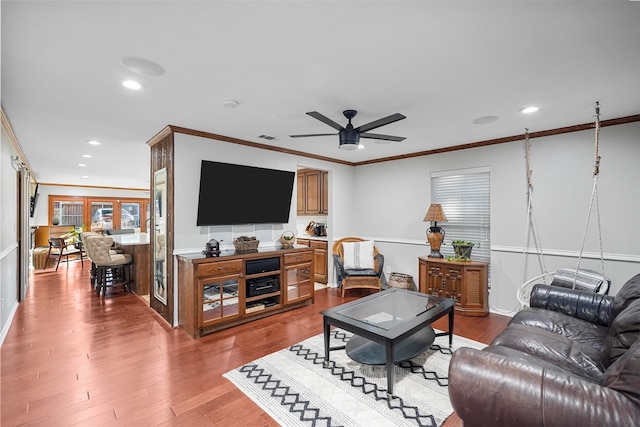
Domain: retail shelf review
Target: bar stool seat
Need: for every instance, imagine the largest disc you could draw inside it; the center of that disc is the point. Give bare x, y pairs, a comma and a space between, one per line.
111, 268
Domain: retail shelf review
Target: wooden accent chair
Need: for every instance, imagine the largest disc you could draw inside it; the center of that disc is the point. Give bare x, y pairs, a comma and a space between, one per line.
58, 248
350, 276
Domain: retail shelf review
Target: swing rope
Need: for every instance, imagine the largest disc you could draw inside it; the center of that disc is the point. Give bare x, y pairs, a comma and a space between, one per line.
594, 195
531, 227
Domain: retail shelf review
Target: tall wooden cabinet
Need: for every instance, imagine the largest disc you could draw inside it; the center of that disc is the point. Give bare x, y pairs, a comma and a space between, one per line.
467, 282
313, 192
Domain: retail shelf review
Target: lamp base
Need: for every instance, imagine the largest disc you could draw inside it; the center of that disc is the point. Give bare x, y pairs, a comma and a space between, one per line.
435, 254
435, 236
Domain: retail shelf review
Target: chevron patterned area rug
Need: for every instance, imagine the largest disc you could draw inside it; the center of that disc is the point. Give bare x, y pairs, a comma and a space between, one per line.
294, 388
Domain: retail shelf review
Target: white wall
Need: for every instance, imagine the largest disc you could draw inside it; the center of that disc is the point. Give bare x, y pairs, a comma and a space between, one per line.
387, 202
191, 150
562, 178
8, 235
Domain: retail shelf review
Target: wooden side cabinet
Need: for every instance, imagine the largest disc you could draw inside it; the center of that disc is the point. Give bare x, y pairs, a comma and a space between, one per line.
467, 282
320, 258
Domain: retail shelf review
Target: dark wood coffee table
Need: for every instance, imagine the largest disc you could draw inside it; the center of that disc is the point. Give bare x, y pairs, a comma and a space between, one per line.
389, 327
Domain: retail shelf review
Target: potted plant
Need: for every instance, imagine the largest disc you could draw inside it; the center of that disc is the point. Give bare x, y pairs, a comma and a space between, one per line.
462, 248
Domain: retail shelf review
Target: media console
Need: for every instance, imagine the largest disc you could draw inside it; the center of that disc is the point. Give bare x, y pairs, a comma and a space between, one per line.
219, 292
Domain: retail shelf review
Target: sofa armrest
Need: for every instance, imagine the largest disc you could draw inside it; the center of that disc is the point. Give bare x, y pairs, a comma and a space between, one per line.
488, 389
585, 305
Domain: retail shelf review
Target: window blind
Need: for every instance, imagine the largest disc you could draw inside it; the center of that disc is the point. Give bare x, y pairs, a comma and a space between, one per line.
465, 200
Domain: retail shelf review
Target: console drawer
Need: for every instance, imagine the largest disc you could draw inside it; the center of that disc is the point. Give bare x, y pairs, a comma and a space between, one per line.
218, 268
298, 257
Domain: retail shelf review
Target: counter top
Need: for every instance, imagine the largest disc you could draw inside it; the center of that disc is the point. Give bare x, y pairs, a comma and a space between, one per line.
307, 237
197, 257
131, 239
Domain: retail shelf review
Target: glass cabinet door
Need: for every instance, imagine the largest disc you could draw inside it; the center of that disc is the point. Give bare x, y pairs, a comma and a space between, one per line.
298, 281
220, 299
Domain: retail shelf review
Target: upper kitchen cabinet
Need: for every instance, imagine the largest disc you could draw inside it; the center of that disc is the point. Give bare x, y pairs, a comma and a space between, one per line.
313, 192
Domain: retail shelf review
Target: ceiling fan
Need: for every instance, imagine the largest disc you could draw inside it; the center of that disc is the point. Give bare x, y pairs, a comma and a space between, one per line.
350, 136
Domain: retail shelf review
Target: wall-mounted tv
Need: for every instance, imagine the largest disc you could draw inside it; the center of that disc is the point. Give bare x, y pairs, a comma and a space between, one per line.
236, 194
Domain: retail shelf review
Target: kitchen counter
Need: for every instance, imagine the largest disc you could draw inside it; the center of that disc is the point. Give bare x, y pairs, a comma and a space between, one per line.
323, 238
131, 239
136, 245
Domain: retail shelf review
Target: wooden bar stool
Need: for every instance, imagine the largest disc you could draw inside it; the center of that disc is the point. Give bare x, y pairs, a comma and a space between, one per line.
111, 269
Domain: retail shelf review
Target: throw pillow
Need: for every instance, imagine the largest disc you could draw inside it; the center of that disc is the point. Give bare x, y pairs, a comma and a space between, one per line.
358, 255
586, 280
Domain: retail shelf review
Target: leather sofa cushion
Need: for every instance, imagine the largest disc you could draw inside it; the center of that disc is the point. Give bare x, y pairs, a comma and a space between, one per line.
578, 330
629, 292
623, 332
624, 374
594, 308
554, 348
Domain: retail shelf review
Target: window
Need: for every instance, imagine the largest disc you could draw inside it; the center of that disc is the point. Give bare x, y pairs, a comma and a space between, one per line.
114, 213
68, 212
465, 199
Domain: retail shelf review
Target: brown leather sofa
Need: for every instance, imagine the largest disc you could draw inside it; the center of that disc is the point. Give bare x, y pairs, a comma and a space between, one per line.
571, 359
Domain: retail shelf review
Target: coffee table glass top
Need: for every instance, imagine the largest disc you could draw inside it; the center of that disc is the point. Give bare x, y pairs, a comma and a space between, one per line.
388, 310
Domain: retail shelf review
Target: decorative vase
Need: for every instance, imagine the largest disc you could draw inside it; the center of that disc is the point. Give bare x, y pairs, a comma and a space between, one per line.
55, 220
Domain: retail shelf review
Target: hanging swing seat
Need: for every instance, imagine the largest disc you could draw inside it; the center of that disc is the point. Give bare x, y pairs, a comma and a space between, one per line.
581, 279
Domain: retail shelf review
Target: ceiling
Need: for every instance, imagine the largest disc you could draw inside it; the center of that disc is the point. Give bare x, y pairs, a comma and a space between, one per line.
443, 64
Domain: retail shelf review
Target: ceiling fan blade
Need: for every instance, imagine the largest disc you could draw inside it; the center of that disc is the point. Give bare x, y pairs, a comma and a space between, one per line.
380, 122
326, 120
312, 134
385, 137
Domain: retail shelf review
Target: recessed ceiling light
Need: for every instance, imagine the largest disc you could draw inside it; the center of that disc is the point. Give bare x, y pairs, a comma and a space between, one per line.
82, 165
93, 142
484, 120
529, 110
141, 66
230, 103
132, 84
87, 156
85, 177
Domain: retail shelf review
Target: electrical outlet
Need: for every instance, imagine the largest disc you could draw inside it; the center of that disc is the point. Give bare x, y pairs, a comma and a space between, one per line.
388, 269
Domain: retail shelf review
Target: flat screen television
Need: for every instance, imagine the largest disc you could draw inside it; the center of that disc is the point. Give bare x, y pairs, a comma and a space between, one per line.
236, 194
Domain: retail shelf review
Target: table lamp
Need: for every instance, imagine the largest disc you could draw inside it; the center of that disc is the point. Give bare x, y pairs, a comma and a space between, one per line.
435, 234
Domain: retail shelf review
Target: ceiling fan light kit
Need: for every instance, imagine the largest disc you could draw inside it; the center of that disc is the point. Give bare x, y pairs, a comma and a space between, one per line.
350, 136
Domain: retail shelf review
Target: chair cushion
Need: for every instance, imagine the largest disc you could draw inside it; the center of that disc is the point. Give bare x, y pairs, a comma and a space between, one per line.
358, 255
360, 272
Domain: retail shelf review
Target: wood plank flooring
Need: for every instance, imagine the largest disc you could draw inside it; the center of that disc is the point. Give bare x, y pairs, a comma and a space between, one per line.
72, 358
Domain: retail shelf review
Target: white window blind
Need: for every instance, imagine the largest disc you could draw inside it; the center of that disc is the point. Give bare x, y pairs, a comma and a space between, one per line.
465, 201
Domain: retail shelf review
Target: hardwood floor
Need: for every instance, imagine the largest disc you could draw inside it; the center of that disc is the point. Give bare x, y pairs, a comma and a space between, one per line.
72, 358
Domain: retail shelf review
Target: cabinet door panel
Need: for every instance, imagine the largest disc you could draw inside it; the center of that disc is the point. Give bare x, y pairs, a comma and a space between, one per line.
220, 299
298, 282
313, 200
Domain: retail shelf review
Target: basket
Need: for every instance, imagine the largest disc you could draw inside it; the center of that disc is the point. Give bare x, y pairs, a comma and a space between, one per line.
288, 239
246, 245
402, 281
